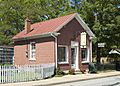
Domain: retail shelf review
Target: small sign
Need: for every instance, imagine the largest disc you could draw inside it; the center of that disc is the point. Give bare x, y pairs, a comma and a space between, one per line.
83, 39
101, 44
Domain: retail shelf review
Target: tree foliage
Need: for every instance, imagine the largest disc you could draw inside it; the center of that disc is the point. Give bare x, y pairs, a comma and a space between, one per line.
102, 16
13, 13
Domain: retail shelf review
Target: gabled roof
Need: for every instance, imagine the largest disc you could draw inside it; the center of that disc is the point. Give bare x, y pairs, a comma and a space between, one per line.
51, 26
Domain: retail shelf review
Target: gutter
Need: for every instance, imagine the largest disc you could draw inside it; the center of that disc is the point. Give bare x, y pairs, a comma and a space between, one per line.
36, 36
54, 35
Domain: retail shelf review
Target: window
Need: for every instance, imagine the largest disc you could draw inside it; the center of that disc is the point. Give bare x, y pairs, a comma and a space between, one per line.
62, 54
32, 51
84, 54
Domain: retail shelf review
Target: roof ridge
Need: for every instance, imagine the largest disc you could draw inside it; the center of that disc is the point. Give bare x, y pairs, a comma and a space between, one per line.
54, 18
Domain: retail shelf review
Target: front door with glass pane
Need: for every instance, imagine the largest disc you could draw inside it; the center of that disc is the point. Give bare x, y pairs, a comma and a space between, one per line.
73, 57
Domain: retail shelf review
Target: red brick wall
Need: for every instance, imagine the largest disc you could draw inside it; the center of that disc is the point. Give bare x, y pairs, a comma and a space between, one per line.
71, 32
44, 51
19, 54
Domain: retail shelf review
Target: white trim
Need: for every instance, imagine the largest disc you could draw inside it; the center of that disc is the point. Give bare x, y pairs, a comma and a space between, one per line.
65, 62
32, 59
88, 56
90, 50
75, 44
85, 62
77, 61
31, 52
56, 59
79, 19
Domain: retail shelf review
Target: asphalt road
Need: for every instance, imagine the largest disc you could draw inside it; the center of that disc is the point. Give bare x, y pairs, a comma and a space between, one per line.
109, 81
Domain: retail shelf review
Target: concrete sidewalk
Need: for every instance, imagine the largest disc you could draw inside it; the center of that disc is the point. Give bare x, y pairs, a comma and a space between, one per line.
64, 79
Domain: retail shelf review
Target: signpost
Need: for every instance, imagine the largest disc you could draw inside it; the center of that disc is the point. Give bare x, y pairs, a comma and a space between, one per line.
99, 46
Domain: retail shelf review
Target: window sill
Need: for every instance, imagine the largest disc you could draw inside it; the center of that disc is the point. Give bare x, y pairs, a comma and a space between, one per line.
32, 59
85, 62
63, 63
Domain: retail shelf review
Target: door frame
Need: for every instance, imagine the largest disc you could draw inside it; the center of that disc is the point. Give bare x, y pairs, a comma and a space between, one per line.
75, 44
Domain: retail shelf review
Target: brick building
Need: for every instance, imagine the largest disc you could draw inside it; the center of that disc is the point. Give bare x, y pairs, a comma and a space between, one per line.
65, 41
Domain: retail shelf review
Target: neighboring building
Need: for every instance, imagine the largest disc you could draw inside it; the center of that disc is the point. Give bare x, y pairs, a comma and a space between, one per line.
65, 41
115, 51
6, 55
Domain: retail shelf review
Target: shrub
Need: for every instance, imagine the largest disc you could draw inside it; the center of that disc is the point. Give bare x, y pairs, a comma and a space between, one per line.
92, 68
104, 67
58, 71
72, 72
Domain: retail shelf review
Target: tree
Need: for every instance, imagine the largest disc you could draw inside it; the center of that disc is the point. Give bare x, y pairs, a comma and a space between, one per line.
59, 8
102, 16
13, 13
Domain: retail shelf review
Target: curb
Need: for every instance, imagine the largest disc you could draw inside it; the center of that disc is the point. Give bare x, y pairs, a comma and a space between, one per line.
76, 80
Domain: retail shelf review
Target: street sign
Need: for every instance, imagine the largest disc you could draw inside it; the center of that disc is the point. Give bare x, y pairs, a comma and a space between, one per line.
101, 44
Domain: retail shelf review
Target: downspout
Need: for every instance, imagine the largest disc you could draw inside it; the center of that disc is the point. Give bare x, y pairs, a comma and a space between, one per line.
56, 62
91, 49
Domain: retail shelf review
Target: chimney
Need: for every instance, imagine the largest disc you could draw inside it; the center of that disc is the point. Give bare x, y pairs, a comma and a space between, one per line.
27, 25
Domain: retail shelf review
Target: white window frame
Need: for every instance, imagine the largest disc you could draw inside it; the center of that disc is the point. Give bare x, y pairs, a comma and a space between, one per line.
87, 60
32, 51
65, 62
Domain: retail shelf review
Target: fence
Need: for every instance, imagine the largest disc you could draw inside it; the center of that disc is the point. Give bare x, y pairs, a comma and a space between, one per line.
11, 74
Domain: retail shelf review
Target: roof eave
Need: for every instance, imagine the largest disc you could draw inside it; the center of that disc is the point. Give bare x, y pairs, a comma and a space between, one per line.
37, 36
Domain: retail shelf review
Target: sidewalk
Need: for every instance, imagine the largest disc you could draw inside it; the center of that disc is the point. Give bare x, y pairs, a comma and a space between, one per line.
64, 79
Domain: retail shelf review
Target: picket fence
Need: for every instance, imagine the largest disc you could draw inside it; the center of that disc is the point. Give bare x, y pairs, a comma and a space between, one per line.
21, 73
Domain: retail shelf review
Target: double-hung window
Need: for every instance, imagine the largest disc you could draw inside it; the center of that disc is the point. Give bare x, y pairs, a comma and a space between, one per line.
32, 50
84, 54
62, 54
